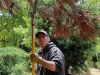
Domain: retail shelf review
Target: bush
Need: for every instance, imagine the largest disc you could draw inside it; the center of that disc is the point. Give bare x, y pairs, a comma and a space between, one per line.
14, 61
78, 53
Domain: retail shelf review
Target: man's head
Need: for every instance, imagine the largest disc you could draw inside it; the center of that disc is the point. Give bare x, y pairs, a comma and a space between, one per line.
42, 38
42, 31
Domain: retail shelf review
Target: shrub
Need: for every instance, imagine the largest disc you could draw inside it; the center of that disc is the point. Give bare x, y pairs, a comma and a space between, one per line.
78, 53
14, 61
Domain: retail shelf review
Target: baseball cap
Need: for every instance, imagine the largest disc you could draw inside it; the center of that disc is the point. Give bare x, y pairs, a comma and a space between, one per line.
42, 31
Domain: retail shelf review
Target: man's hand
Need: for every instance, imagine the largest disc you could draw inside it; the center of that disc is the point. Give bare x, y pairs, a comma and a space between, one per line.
35, 58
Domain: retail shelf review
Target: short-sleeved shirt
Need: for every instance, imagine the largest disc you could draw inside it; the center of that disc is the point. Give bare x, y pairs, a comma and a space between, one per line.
51, 53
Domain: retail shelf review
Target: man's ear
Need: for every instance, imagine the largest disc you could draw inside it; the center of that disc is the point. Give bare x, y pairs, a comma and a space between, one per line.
49, 38
37, 41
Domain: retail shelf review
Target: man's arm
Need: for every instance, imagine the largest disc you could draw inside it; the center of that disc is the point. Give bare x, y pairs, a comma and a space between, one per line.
48, 64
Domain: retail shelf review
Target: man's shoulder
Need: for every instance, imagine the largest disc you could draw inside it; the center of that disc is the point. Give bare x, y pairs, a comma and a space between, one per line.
55, 49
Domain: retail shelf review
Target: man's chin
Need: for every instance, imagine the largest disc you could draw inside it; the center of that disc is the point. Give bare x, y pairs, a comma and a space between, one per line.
42, 46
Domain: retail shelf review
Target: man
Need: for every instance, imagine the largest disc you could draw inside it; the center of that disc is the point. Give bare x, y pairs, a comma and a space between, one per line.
50, 59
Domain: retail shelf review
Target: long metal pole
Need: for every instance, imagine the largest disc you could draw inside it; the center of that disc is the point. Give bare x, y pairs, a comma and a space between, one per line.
33, 34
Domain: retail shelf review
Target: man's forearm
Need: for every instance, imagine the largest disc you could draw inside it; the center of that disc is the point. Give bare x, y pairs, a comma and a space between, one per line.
48, 64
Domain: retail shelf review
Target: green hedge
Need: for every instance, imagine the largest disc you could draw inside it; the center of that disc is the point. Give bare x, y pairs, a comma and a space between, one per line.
14, 61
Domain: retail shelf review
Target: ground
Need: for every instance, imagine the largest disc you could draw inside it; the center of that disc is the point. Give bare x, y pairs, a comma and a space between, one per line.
94, 71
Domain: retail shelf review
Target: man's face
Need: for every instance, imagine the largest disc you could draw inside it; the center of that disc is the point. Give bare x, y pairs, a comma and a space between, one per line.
42, 40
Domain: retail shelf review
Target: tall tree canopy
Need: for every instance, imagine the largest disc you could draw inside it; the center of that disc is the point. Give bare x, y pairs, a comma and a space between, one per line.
66, 15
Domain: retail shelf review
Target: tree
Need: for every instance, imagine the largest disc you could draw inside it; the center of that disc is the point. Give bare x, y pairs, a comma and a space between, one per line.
67, 16
14, 27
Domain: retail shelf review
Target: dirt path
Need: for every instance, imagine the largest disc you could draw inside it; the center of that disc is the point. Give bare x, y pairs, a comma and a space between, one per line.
94, 71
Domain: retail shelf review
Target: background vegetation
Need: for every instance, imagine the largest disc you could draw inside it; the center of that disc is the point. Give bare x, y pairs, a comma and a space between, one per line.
14, 61
15, 30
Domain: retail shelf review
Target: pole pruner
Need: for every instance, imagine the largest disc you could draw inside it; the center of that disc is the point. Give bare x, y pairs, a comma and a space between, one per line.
33, 33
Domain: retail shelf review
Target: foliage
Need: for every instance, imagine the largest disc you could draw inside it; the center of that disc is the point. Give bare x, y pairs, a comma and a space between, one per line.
93, 7
14, 61
60, 18
15, 27
60, 15
67, 15
78, 53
